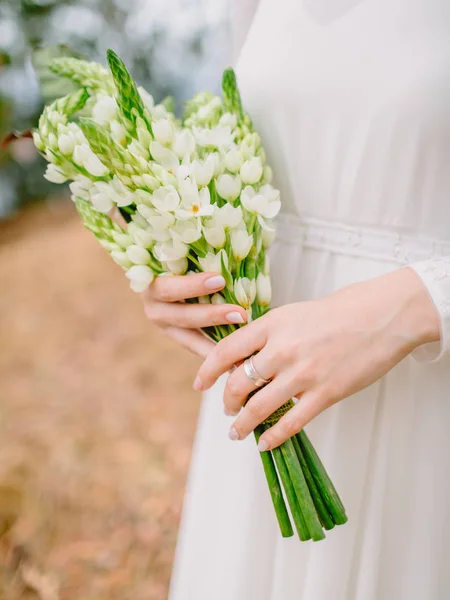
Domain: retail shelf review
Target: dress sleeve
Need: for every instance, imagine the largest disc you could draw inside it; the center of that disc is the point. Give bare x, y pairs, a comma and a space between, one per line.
435, 275
241, 16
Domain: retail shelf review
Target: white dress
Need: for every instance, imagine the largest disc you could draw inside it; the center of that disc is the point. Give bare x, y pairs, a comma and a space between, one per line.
352, 100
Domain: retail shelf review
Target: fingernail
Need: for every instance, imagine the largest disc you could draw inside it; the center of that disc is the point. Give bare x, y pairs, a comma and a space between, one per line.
215, 283
263, 446
234, 317
197, 384
230, 413
233, 434
295, 399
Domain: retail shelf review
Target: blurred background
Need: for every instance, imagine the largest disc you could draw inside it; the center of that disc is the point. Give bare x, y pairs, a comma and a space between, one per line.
97, 413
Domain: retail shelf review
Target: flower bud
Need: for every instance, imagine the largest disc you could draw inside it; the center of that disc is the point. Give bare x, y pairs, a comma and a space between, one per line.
233, 160
241, 243
54, 175
102, 202
178, 267
183, 144
138, 255
245, 291
141, 237
251, 171
66, 144
119, 133
228, 187
163, 131
218, 299
215, 236
104, 110
203, 171
121, 259
150, 182
140, 277
213, 262
263, 289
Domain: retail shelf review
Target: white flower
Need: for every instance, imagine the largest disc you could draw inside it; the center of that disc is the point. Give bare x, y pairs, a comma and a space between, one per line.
203, 171
228, 187
163, 131
217, 137
121, 258
194, 202
104, 110
245, 291
138, 149
140, 277
66, 144
138, 255
150, 182
54, 175
101, 201
188, 231
214, 234
263, 289
251, 171
118, 132
82, 188
84, 157
165, 198
249, 145
241, 243
218, 163
228, 216
213, 262
267, 237
233, 160
165, 157
122, 239
141, 237
173, 249
147, 98
218, 299
178, 267
228, 119
160, 224
266, 202
183, 144
163, 175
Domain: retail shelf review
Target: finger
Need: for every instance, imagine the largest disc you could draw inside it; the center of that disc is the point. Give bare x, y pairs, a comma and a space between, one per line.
229, 351
311, 404
239, 385
262, 405
194, 316
193, 340
179, 287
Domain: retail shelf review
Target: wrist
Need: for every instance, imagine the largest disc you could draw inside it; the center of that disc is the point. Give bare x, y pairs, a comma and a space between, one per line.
418, 314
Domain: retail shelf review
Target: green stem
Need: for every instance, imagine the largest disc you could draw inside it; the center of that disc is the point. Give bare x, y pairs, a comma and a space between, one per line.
299, 520
323, 481
322, 511
302, 491
275, 489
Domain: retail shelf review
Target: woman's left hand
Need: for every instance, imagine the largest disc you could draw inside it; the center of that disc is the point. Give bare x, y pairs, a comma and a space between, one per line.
320, 351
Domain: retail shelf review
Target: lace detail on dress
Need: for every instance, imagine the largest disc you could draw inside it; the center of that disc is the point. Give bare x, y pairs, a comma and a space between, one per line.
435, 275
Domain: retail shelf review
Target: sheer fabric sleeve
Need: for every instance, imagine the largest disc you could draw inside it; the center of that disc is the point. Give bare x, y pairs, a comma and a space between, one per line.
435, 275
242, 13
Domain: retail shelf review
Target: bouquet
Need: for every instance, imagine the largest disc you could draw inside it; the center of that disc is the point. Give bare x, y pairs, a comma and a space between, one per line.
167, 196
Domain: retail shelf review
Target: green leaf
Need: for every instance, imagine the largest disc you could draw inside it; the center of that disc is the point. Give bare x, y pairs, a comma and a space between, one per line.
128, 97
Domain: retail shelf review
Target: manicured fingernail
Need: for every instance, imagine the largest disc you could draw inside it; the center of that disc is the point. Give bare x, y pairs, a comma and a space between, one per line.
233, 434
234, 317
197, 384
295, 400
263, 446
215, 283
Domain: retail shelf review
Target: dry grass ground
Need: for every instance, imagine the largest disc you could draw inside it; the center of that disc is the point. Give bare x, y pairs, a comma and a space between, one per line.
97, 419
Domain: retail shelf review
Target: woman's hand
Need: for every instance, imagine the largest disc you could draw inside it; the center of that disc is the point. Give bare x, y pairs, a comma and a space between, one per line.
164, 306
320, 351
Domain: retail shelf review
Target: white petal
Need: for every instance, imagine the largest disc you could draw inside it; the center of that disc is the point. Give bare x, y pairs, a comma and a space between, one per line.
165, 157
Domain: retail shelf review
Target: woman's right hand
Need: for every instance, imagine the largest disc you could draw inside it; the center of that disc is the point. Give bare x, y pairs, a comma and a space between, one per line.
164, 306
